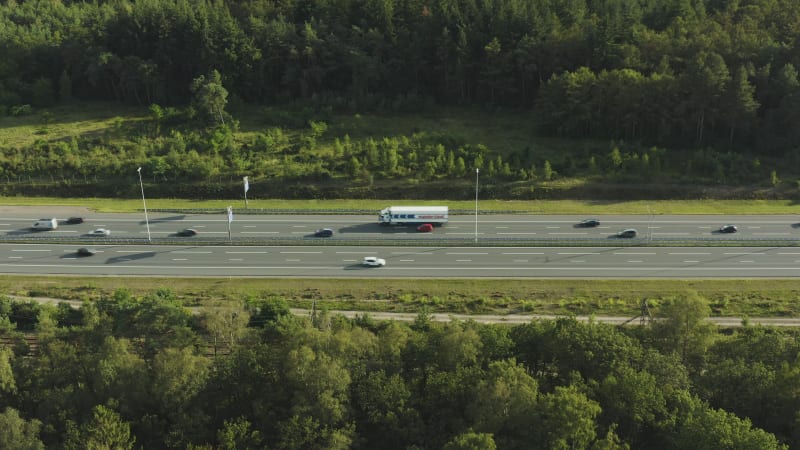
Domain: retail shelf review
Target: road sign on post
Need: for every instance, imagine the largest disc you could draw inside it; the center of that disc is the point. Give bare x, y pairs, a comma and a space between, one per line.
246, 188
230, 219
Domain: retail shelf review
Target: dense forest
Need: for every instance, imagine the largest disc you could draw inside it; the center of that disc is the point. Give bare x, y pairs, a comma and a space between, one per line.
145, 372
716, 79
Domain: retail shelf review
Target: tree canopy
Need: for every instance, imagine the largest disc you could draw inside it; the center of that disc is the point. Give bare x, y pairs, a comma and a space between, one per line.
107, 376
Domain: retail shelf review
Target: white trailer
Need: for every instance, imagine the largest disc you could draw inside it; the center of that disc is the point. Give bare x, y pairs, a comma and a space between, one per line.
413, 215
45, 224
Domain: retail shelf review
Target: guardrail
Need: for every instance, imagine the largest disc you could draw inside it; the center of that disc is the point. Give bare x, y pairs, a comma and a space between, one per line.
428, 241
359, 212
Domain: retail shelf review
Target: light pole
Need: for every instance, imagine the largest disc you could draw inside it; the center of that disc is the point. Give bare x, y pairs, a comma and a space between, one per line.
146, 221
477, 171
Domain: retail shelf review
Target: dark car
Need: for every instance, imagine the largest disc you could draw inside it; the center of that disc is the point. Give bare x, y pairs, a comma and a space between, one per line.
728, 229
425, 228
86, 251
589, 223
627, 233
323, 232
187, 232
74, 220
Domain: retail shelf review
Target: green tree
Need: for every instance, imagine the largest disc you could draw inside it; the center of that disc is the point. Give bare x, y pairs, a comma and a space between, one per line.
210, 97
457, 345
18, 433
237, 435
684, 329
742, 105
706, 428
505, 403
157, 115
471, 441
319, 385
615, 158
177, 376
105, 431
225, 325
65, 88
7, 383
547, 171
634, 401
707, 79
565, 420
43, 92
385, 405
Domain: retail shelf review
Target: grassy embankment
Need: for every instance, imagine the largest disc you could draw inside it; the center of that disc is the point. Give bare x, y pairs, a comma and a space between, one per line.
578, 207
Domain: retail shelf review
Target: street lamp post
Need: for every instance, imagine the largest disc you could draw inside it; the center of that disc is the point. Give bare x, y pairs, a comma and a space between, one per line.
146, 221
477, 171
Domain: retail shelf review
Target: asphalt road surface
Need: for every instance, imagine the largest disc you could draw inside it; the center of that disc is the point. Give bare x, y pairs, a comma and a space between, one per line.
18, 223
606, 260
404, 262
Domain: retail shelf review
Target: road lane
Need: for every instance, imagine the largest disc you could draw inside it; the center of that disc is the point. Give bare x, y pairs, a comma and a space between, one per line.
460, 226
413, 262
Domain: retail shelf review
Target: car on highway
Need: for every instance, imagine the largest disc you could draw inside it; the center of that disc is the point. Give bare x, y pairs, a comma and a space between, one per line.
187, 232
589, 223
86, 251
425, 228
728, 229
323, 232
100, 232
74, 220
373, 261
627, 233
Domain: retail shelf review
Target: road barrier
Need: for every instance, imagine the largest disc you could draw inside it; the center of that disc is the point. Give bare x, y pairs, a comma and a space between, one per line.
428, 241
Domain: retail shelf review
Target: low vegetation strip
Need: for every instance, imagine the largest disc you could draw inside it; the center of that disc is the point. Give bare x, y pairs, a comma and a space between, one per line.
765, 298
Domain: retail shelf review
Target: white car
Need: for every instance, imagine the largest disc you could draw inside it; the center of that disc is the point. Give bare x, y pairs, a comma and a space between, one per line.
372, 261
100, 232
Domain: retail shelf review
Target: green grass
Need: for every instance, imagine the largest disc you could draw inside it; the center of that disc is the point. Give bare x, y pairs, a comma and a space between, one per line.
579, 207
731, 298
60, 122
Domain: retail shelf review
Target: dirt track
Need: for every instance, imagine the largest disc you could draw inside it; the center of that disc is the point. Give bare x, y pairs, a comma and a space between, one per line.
514, 319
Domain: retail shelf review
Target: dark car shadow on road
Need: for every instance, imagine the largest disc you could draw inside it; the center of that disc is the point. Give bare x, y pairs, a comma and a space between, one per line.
130, 257
163, 219
378, 229
73, 255
360, 267
22, 231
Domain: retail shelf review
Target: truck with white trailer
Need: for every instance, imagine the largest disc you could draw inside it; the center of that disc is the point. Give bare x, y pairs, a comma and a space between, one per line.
413, 215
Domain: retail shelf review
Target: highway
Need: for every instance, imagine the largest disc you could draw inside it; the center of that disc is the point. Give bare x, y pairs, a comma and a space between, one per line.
404, 262
600, 255
163, 225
